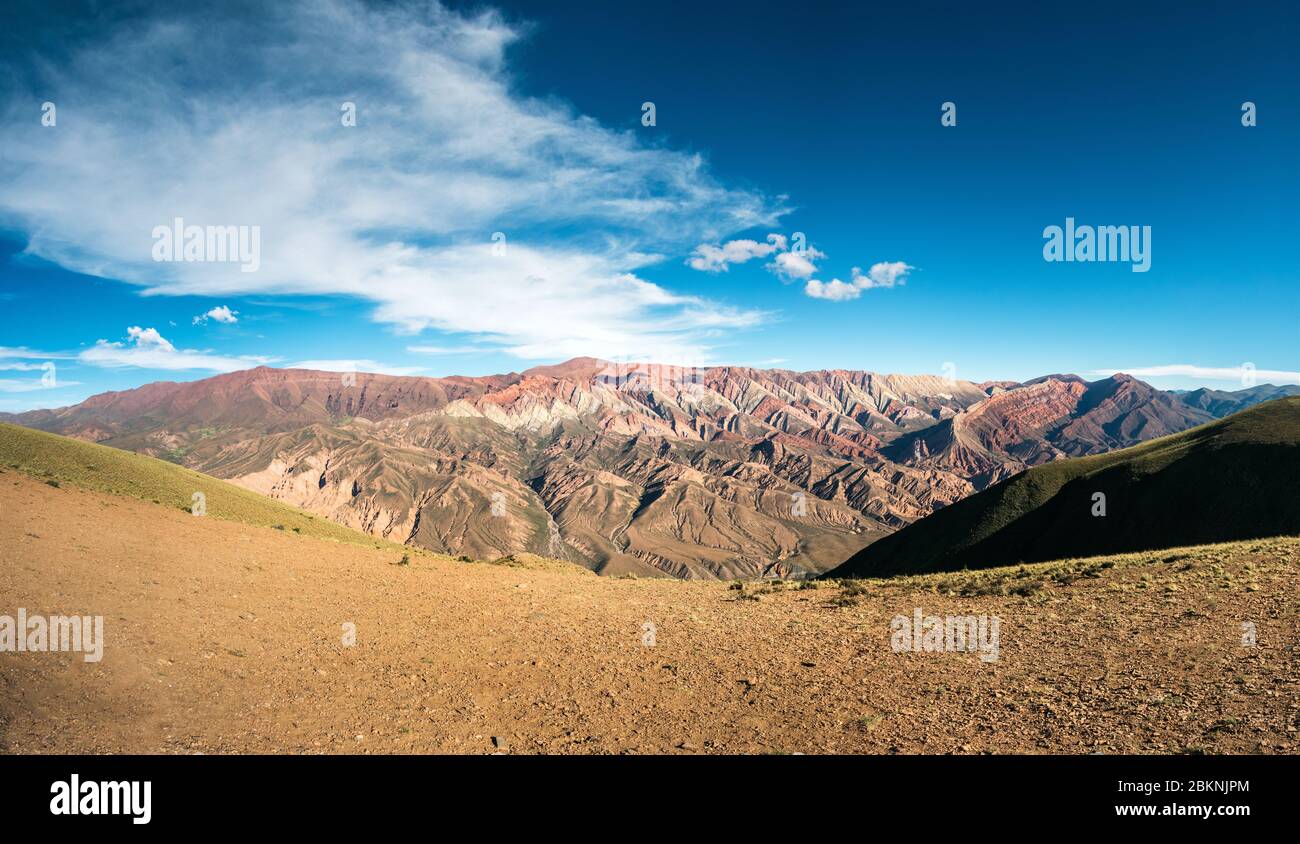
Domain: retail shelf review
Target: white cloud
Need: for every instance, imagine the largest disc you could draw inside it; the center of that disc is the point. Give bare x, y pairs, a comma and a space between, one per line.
1241, 375
149, 338
397, 210
883, 274
147, 349
712, 258
350, 365
789, 264
835, 290
795, 265
448, 350
221, 313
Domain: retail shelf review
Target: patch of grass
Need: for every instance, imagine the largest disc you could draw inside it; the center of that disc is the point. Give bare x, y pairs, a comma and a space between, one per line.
65, 461
851, 591
1045, 513
1124, 572
526, 560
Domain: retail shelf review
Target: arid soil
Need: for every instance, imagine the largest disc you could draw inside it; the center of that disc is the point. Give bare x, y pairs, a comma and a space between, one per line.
630, 468
223, 638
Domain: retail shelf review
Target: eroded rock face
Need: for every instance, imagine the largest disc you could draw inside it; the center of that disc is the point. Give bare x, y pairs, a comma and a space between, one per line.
638, 468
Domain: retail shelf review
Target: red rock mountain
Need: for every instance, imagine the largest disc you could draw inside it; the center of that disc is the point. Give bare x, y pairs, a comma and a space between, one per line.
627, 468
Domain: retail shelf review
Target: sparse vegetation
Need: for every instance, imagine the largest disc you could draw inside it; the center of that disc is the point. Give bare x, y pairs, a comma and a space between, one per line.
1229, 480
62, 461
851, 591
1138, 571
1164, 671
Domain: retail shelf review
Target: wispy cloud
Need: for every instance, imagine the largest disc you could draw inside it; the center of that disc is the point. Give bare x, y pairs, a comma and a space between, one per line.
357, 365
398, 209
24, 353
23, 405
714, 258
146, 348
449, 350
14, 385
1240, 375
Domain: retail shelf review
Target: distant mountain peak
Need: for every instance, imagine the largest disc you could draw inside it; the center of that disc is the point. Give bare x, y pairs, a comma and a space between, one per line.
629, 467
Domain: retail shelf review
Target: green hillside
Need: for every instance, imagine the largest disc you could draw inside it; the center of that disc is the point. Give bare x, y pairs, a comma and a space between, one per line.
1232, 479
63, 460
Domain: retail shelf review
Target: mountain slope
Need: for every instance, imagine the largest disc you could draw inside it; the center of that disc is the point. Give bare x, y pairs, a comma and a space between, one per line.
1223, 403
62, 460
1226, 480
638, 468
221, 638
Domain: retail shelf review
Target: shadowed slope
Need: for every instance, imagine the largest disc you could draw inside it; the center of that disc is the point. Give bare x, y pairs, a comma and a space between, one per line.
625, 468
1227, 480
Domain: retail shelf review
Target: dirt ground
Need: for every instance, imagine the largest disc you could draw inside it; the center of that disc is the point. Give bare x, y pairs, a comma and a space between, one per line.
221, 638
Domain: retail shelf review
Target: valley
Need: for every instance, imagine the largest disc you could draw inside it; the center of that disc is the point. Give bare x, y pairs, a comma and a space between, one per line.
631, 468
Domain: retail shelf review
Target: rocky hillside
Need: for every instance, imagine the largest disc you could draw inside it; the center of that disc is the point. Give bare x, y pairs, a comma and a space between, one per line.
1231, 479
627, 468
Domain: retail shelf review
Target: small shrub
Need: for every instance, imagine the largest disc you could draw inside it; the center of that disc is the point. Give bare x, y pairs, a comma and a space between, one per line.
851, 591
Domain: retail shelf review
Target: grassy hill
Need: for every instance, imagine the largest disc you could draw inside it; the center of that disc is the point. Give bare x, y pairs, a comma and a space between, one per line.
1232, 479
61, 460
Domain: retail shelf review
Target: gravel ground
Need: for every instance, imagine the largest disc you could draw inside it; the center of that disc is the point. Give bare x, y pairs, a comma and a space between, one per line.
222, 638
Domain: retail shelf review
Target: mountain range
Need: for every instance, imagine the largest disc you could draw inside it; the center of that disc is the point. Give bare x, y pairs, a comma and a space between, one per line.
631, 468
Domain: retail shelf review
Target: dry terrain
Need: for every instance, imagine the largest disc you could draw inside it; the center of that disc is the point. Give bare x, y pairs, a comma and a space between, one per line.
225, 637
631, 468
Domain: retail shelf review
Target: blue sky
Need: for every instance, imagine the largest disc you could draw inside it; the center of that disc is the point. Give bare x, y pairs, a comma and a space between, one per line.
375, 240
